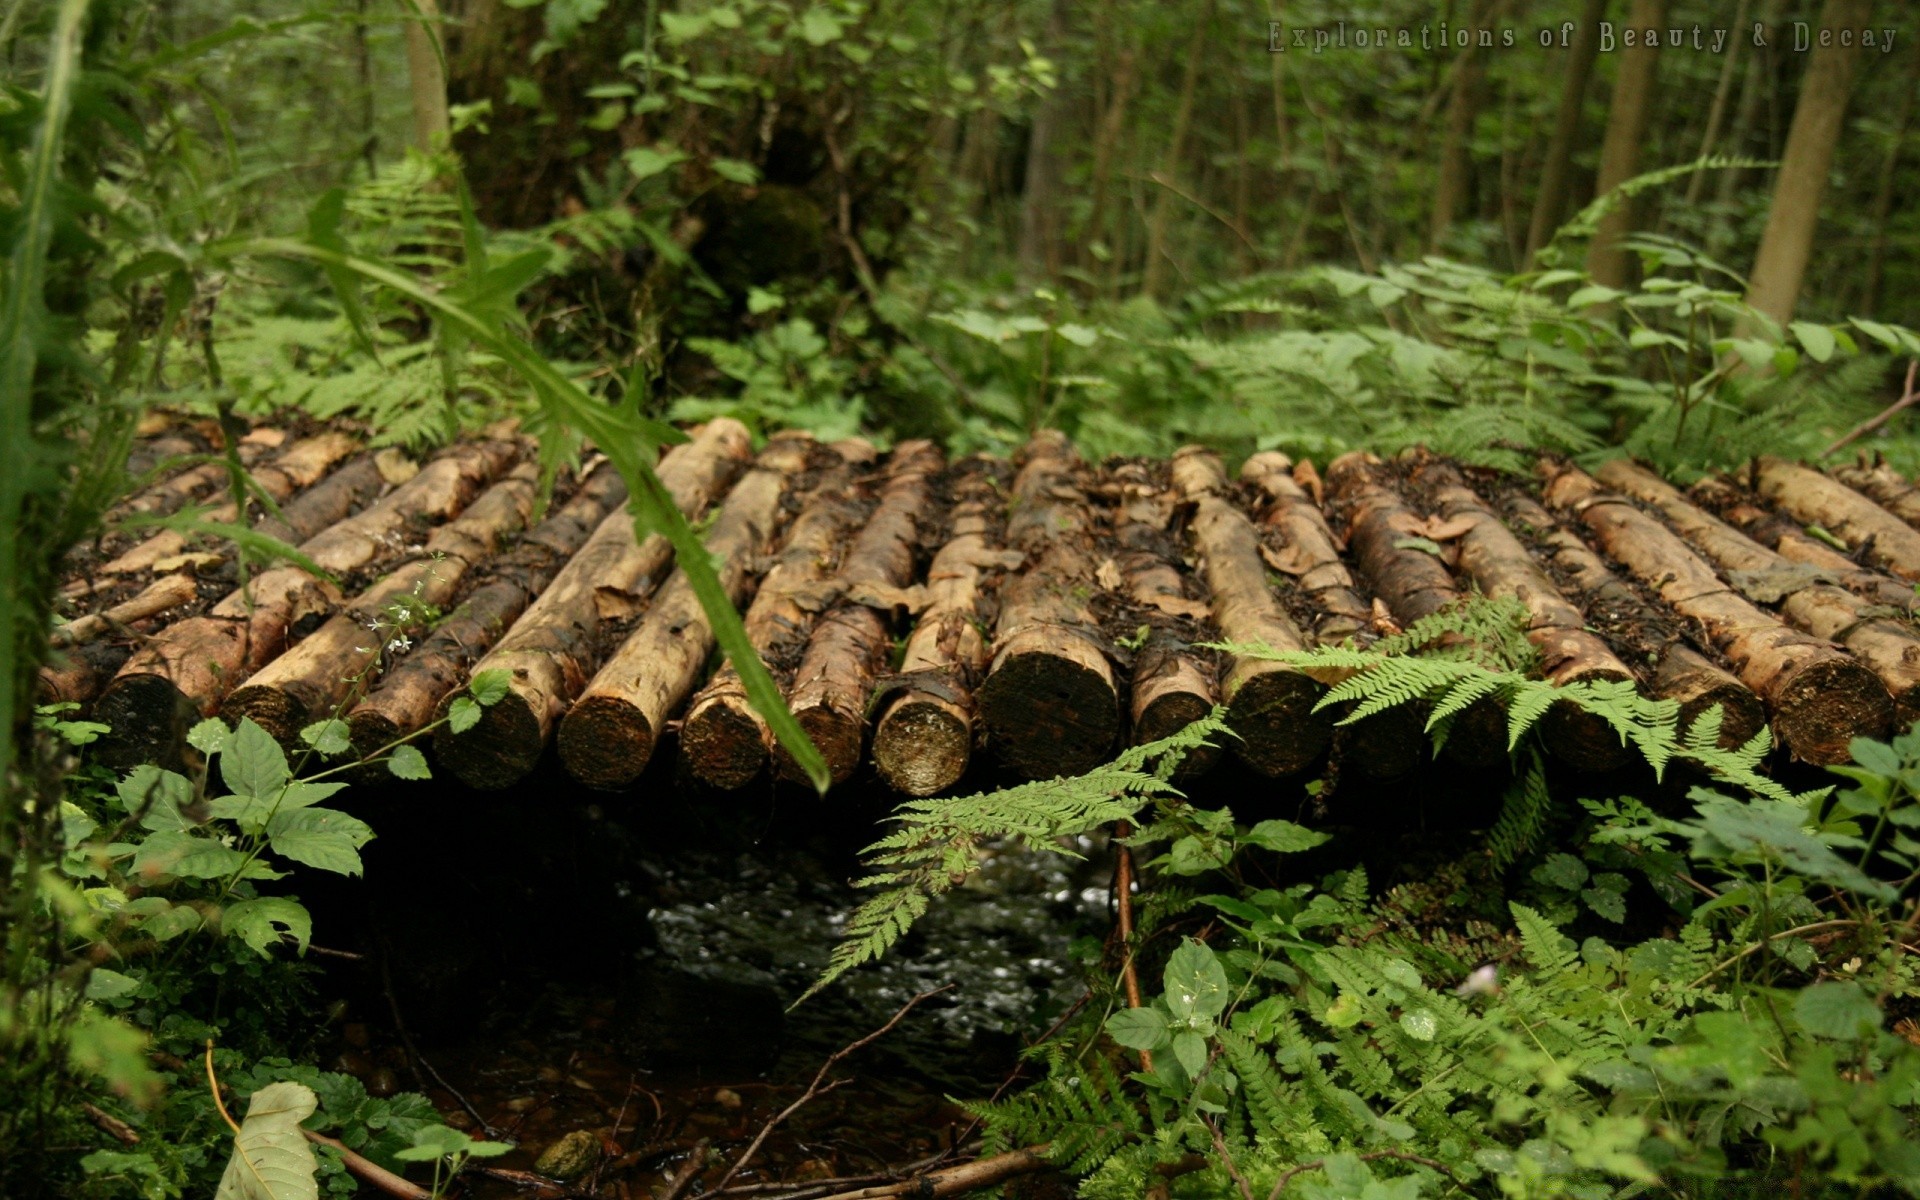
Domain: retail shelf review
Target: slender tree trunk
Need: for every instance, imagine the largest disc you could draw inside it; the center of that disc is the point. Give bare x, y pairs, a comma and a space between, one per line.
363, 67
1456, 146
1620, 152
1780, 264
1154, 275
1242, 183
1551, 205
1106, 145
1754, 93
1040, 199
1718, 111
1884, 191
426, 75
1282, 124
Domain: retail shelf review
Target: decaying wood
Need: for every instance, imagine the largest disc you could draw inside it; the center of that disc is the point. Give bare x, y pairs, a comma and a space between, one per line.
848, 647
341, 659
1880, 538
923, 737
1818, 697
723, 740
172, 493
1270, 705
1049, 704
169, 591
184, 672
1391, 543
552, 648
1884, 486
1741, 508
405, 699
1802, 593
1648, 636
1500, 565
608, 736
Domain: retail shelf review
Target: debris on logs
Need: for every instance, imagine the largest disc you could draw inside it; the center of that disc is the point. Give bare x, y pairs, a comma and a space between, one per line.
608, 736
923, 738
848, 648
166, 592
184, 672
553, 648
1500, 565
1873, 533
1270, 705
1819, 698
1050, 705
1737, 506
1885, 486
1802, 592
1389, 743
404, 700
317, 677
723, 740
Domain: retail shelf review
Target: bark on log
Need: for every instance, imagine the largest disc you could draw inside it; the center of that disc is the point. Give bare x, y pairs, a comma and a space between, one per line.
1888, 649
1648, 637
608, 736
407, 695
1389, 743
1739, 507
1819, 697
339, 661
172, 494
1500, 565
552, 649
923, 738
849, 646
1876, 535
1269, 704
164, 593
1049, 704
1884, 486
186, 670
723, 739
1412, 582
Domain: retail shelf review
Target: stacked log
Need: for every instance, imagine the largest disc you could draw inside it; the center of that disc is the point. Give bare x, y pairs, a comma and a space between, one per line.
1885, 487
1742, 509
608, 736
1819, 698
923, 738
1050, 704
848, 647
723, 739
554, 647
1879, 537
1270, 705
183, 673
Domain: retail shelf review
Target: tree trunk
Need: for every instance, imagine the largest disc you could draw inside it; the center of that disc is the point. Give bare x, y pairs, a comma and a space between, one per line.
1885, 487
1040, 198
1818, 696
1270, 705
426, 76
1881, 537
1550, 207
723, 740
1154, 275
1455, 178
1716, 113
923, 738
1756, 92
848, 649
1106, 145
1884, 190
1773, 287
608, 736
1049, 704
1620, 152
553, 648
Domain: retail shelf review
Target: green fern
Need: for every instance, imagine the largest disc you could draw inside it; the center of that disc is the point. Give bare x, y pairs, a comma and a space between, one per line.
1081, 1111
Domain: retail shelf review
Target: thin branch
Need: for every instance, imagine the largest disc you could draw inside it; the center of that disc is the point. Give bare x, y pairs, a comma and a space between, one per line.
1287, 1175
687, 1172
1226, 1160
1908, 398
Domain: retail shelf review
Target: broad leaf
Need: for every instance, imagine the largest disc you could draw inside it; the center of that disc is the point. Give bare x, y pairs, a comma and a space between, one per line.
271, 1158
179, 853
158, 796
253, 764
261, 923
1196, 982
320, 837
1138, 1028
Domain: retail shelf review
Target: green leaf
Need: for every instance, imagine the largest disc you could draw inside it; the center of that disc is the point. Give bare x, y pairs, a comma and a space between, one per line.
209, 736
735, 171
263, 923
103, 984
271, 1158
645, 162
252, 813
329, 737
320, 837
1420, 1024
1195, 981
1138, 1028
1284, 837
158, 796
1817, 339
490, 687
253, 764
463, 714
1191, 1049
1593, 294
819, 26
1836, 1009
179, 853
408, 763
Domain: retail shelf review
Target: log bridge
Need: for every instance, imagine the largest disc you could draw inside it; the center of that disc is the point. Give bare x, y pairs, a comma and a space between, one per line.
921, 612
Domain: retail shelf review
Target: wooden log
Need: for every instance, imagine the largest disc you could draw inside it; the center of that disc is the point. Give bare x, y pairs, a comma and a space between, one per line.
608, 736
554, 646
164, 593
185, 671
723, 739
1742, 509
1646, 635
849, 646
174, 492
1879, 537
1411, 581
1883, 485
923, 738
1049, 704
1270, 705
336, 663
1889, 649
1301, 546
1819, 697
404, 700
1501, 566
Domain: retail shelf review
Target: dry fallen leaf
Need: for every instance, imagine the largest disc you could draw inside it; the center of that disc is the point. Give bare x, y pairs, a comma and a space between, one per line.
1107, 575
395, 467
1383, 622
192, 562
263, 436
1180, 606
1446, 531
1309, 480
1289, 559
617, 604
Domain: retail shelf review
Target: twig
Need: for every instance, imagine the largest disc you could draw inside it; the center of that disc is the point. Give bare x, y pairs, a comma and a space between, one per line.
1287, 1175
696, 1161
1770, 938
980, 1173
110, 1125
815, 1088
1908, 398
213, 1084
369, 1172
1123, 885
1226, 1160
416, 1061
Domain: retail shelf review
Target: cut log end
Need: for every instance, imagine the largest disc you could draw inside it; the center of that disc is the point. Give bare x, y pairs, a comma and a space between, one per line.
276, 710
1581, 740
371, 731
1825, 705
606, 742
837, 735
148, 717
921, 747
723, 742
499, 750
1386, 745
1049, 715
1272, 714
